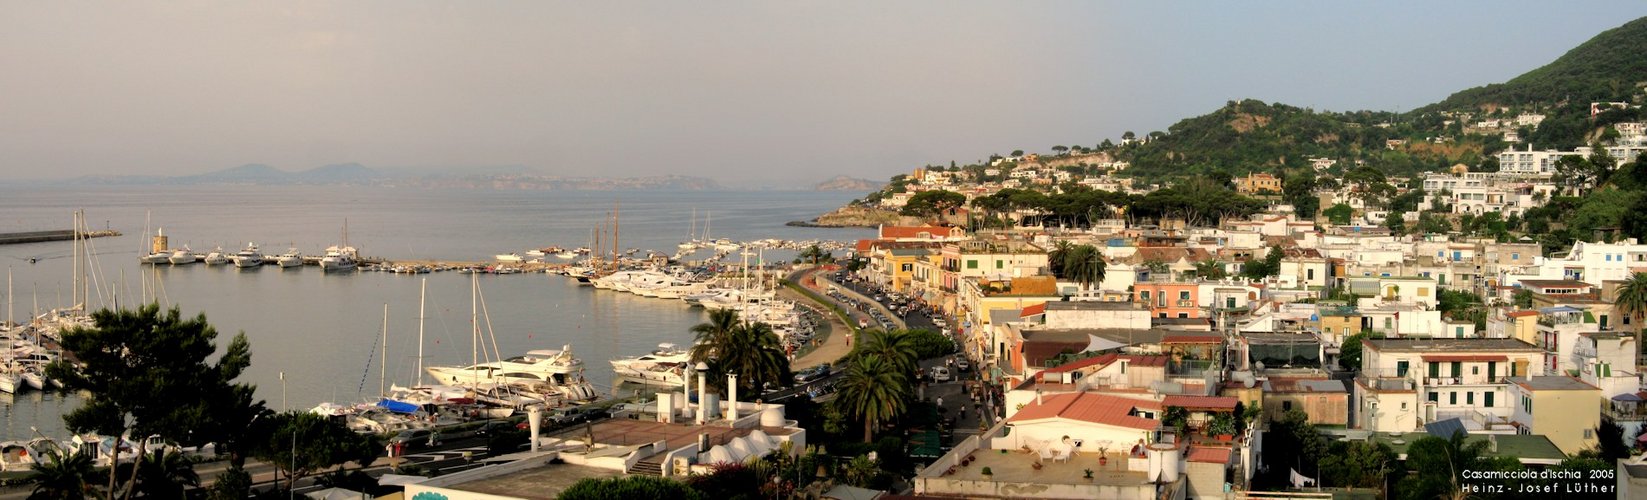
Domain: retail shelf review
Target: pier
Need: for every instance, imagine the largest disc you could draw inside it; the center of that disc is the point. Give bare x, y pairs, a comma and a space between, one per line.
39, 236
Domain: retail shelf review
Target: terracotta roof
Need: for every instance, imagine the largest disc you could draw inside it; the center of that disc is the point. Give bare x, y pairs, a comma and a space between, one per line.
908, 232
1444, 358
1200, 402
865, 245
1104, 360
1521, 314
1209, 455
1136, 360
1088, 407
1034, 310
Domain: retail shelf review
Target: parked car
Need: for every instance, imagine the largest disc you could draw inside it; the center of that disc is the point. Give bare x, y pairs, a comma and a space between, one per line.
940, 374
962, 364
576, 415
811, 374
416, 438
495, 427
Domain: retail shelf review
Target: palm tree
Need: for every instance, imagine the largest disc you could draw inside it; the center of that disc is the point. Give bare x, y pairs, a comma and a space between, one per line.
1631, 299
63, 477
713, 335
813, 254
1055, 258
166, 474
875, 391
896, 347
749, 349
1211, 269
1085, 265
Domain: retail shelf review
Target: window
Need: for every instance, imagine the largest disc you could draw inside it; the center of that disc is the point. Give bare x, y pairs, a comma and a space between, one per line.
999, 263
1403, 405
1475, 370
1401, 368
1492, 369
1161, 300
1515, 256
908, 267
1469, 398
1589, 433
1435, 370
1458, 332
1452, 398
1435, 397
971, 264
1309, 274
1286, 406
1229, 302
1388, 323
1458, 369
1183, 295
1487, 399
1144, 296
1183, 315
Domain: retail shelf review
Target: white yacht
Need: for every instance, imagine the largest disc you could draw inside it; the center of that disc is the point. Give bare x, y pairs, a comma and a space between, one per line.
10, 382
250, 257
156, 258
558, 370
664, 367
216, 257
289, 259
338, 259
510, 258
182, 257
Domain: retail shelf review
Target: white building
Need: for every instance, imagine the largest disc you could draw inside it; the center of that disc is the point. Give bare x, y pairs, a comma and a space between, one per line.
1406, 383
1529, 162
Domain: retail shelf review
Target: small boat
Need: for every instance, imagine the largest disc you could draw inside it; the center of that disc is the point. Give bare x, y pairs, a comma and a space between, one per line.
509, 257
9, 382
535, 253
216, 257
289, 259
568, 254
182, 257
665, 367
250, 257
34, 380
156, 258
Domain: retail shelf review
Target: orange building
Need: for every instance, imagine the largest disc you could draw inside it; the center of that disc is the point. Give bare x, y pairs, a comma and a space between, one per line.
1169, 300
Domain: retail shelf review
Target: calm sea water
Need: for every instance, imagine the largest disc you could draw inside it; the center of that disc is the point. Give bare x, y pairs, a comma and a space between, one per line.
322, 330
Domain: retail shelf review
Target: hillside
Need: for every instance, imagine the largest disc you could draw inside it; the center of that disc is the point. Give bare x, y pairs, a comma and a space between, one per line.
844, 183
1608, 67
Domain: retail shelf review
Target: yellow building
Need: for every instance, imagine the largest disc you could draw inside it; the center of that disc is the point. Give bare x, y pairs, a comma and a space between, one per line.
1564, 409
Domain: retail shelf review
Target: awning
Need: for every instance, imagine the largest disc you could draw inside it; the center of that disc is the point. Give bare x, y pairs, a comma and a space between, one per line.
1096, 343
1627, 398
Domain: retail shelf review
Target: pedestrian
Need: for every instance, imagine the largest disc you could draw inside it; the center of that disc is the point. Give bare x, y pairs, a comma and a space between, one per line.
940, 401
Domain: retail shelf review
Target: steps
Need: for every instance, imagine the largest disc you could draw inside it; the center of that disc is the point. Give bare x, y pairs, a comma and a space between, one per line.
647, 468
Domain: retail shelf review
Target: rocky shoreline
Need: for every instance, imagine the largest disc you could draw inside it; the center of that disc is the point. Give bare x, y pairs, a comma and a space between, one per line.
857, 216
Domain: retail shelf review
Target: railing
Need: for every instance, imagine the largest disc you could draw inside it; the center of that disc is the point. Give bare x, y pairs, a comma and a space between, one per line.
1186, 303
1631, 414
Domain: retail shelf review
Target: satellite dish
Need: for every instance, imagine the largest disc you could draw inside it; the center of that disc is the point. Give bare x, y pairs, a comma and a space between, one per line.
1249, 383
1259, 365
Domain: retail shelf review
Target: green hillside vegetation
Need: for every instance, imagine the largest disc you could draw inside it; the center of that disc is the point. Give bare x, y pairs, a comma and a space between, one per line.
1252, 136
1608, 67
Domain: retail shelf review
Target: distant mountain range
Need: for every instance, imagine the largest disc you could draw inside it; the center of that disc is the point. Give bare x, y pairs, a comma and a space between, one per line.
359, 175
844, 183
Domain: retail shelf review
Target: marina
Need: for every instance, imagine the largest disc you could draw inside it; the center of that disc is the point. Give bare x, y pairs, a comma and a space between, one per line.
320, 329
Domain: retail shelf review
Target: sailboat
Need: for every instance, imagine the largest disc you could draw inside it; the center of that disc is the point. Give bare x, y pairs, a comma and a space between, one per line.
158, 253
542, 374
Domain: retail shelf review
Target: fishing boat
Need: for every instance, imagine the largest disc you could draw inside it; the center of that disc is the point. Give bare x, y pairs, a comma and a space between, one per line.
665, 367
249, 257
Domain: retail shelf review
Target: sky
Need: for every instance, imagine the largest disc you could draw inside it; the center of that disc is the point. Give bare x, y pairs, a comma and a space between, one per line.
774, 93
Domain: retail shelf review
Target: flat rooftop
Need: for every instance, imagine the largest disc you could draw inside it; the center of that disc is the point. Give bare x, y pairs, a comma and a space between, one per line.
627, 432
1014, 466
1552, 383
1450, 344
539, 483
1524, 447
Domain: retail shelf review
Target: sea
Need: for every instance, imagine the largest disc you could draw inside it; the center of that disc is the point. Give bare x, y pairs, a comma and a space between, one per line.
315, 337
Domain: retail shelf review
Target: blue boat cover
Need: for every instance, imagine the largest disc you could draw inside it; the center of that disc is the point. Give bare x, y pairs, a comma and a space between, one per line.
397, 406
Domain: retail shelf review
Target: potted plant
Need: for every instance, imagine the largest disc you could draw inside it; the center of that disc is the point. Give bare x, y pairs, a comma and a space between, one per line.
1088, 475
987, 472
1103, 458
1222, 427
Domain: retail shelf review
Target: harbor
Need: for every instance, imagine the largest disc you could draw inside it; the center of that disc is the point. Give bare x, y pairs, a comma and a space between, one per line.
45, 236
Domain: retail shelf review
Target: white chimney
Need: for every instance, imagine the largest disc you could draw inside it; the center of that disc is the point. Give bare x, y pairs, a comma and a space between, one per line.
703, 395
1037, 396
732, 397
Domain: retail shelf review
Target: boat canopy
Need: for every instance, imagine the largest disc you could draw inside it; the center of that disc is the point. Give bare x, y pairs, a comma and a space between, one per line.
398, 406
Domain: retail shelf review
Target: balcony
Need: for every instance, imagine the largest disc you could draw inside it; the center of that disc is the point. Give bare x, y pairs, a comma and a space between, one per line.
1623, 413
1467, 380
1186, 303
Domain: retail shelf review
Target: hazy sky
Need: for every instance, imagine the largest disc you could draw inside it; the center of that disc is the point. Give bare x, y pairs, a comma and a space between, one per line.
749, 93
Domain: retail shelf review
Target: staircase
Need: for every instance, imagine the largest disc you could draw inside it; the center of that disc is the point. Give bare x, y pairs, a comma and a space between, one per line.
647, 468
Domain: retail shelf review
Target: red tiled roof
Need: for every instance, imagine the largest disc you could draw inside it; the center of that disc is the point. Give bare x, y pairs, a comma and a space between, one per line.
1200, 402
865, 245
1035, 310
1211, 455
907, 232
1104, 360
1089, 407
1444, 358
1521, 314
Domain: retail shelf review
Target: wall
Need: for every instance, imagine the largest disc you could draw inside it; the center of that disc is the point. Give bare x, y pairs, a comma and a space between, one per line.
940, 486
1564, 417
1205, 480
413, 490
1323, 408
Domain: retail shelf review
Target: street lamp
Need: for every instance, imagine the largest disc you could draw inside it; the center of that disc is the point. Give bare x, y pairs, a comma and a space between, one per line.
283, 406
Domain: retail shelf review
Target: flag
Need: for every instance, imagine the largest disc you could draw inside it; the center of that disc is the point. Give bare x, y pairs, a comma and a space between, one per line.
1299, 480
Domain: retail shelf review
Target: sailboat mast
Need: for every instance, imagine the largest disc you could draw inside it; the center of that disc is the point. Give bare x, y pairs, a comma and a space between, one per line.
420, 296
75, 279
474, 335
617, 251
383, 357
11, 321
693, 233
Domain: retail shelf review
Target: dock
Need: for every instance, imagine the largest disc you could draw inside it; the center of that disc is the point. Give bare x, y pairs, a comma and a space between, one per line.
39, 236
